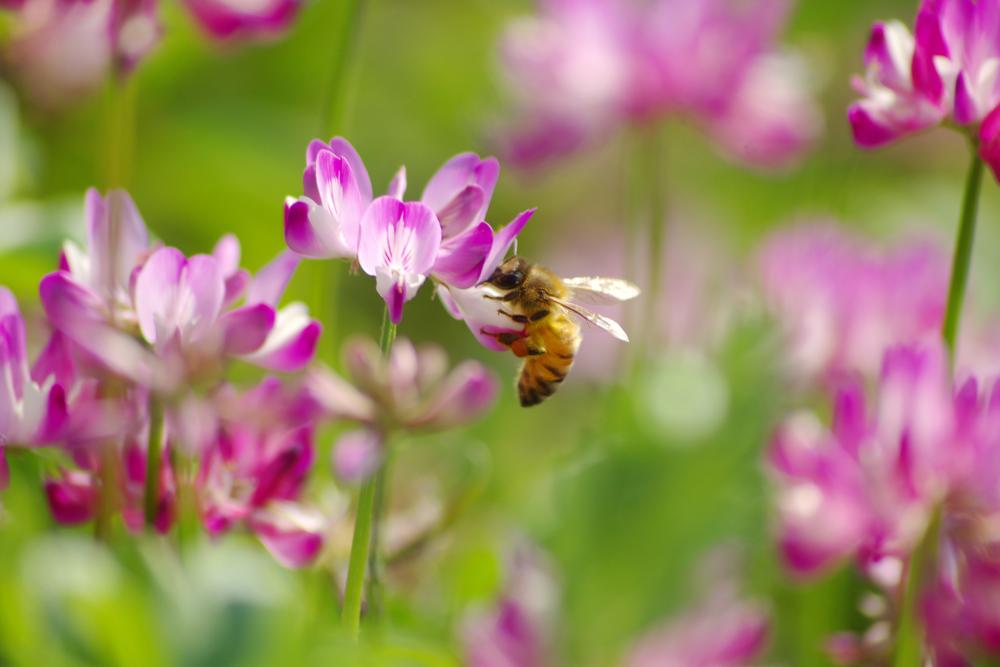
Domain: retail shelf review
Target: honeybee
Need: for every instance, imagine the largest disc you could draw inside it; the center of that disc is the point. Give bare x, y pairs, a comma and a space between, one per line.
542, 302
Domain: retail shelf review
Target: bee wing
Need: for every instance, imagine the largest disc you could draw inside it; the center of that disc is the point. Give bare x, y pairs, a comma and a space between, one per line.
598, 290
599, 321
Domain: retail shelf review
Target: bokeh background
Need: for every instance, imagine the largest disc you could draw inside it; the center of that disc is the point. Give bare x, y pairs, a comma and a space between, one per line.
625, 481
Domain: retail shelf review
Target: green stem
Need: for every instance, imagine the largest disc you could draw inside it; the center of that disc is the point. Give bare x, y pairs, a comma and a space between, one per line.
963, 253
909, 635
154, 451
120, 137
365, 522
359, 556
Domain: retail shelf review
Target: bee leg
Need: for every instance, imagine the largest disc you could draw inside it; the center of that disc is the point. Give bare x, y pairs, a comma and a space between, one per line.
524, 347
520, 319
505, 338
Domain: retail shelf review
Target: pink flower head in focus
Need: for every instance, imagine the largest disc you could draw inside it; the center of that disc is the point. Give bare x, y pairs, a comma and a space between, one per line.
583, 67
945, 70
241, 20
840, 304
400, 243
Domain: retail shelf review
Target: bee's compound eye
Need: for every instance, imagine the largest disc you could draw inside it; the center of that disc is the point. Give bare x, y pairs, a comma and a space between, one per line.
509, 280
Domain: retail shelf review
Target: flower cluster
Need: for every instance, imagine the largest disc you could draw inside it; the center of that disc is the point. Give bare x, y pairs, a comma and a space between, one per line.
922, 451
443, 236
63, 48
411, 389
944, 72
132, 384
840, 303
582, 67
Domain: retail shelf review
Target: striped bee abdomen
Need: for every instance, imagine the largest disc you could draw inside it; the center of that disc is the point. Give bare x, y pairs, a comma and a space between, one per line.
541, 375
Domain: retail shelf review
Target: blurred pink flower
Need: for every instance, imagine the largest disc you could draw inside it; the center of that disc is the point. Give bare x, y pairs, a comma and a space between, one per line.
240, 19
254, 470
30, 412
516, 631
583, 67
412, 389
61, 49
945, 70
840, 303
868, 485
722, 632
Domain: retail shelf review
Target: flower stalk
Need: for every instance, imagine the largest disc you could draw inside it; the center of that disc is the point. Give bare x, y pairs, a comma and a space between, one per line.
909, 635
363, 547
154, 449
963, 253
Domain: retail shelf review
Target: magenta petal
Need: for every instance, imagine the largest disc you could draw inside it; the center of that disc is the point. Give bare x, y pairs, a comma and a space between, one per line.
336, 397
291, 344
383, 214
343, 148
455, 175
56, 361
397, 186
236, 285
394, 302
356, 455
245, 329
270, 282
989, 138
300, 234
468, 392
464, 210
156, 289
55, 418
502, 241
966, 110
293, 535
78, 314
867, 131
115, 214
282, 478
227, 253
72, 499
460, 261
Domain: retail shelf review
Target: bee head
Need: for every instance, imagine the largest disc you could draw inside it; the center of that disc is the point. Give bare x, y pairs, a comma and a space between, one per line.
509, 275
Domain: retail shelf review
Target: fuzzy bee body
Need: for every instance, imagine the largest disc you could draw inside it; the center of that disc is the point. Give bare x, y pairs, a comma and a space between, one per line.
542, 302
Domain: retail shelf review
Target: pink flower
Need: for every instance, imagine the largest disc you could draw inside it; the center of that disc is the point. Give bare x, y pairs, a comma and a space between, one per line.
62, 49
412, 390
181, 305
722, 632
30, 412
325, 222
398, 245
946, 69
583, 67
233, 19
254, 471
840, 304
74, 495
516, 631
867, 485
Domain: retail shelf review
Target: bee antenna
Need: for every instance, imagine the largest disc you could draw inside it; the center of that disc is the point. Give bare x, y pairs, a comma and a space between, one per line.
515, 246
